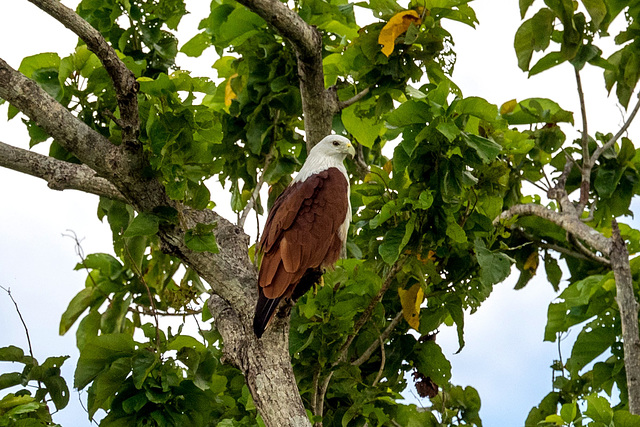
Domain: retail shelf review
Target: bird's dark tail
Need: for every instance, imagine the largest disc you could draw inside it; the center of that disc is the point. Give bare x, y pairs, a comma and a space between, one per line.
264, 311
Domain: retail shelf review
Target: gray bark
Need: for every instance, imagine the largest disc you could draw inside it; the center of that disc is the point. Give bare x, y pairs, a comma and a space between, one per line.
117, 172
628, 306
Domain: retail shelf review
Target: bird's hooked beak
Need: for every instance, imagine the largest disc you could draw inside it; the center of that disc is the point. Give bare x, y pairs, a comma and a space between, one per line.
350, 150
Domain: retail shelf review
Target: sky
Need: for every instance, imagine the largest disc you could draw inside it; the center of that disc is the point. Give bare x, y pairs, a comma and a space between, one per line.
504, 358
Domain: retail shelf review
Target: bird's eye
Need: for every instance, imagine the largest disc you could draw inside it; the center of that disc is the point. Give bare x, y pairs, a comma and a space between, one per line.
336, 143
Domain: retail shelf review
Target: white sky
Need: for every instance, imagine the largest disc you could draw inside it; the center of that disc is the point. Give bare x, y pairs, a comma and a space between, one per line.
504, 358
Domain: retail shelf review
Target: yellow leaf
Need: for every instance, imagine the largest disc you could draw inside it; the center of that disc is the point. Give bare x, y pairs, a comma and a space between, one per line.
229, 94
388, 167
508, 106
532, 263
398, 24
411, 299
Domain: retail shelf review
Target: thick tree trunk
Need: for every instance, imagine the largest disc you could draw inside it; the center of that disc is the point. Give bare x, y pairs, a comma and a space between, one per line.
628, 315
265, 362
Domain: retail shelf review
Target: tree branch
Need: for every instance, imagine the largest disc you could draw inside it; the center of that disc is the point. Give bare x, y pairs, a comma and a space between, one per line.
318, 104
614, 138
366, 315
383, 338
122, 168
59, 175
566, 221
585, 184
124, 81
628, 306
357, 97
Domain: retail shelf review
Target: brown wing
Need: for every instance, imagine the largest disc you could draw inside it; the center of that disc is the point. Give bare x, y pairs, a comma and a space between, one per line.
301, 231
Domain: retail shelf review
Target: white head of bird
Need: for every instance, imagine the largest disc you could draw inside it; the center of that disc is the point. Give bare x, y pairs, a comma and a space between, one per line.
330, 152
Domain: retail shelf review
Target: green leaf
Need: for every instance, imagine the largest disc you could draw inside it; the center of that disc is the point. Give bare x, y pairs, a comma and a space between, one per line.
486, 149
533, 35
10, 379
494, 266
538, 110
201, 242
595, 338
365, 129
597, 9
431, 362
623, 418
12, 354
395, 240
568, 412
548, 61
478, 107
145, 224
142, 363
98, 354
554, 273
76, 307
196, 45
456, 233
599, 409
409, 112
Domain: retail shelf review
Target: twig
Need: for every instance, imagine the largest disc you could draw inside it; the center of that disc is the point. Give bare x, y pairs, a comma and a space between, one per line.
383, 336
363, 167
366, 315
256, 193
24, 324
586, 251
321, 394
315, 392
383, 357
151, 299
80, 252
609, 144
357, 97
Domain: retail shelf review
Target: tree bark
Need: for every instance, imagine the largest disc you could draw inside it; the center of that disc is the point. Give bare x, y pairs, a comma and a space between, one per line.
628, 315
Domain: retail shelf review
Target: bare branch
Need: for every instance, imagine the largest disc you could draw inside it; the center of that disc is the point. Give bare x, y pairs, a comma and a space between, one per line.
254, 196
366, 315
615, 137
24, 324
59, 175
383, 337
586, 251
357, 97
123, 79
383, 358
625, 296
585, 184
566, 221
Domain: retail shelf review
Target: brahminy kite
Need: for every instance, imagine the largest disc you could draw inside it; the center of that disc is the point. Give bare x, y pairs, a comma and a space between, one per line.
306, 230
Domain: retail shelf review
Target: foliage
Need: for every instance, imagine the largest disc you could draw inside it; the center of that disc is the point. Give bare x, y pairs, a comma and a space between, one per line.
21, 407
422, 236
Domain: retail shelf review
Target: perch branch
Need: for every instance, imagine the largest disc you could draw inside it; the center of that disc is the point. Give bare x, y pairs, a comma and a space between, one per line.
124, 82
60, 175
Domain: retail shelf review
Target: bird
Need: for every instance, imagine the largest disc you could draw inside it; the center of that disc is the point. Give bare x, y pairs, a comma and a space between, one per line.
306, 229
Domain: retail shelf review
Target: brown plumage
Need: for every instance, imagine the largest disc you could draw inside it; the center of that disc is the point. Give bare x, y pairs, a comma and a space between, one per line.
306, 229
